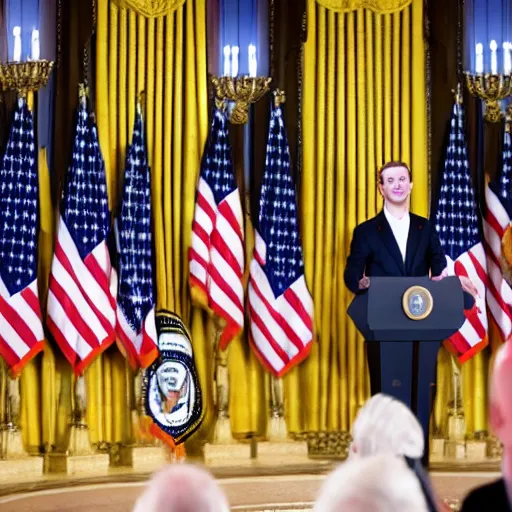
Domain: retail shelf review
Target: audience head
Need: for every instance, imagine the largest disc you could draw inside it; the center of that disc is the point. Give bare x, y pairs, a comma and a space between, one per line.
386, 425
182, 488
500, 400
380, 483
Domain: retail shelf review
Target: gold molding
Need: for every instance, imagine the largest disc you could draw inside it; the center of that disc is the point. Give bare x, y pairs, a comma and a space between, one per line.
377, 6
150, 8
25, 76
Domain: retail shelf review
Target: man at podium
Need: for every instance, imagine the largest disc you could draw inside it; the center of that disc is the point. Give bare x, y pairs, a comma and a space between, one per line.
398, 243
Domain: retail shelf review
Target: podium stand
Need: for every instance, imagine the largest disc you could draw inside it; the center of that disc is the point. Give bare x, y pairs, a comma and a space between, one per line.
404, 320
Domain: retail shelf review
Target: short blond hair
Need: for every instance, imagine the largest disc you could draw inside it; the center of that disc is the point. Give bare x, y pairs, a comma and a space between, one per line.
389, 165
382, 483
386, 425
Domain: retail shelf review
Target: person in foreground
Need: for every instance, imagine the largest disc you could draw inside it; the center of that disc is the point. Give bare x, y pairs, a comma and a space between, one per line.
398, 243
498, 493
385, 425
380, 483
182, 488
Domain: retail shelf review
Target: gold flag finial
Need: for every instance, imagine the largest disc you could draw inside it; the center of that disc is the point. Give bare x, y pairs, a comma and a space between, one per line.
141, 97
83, 92
508, 118
279, 97
458, 94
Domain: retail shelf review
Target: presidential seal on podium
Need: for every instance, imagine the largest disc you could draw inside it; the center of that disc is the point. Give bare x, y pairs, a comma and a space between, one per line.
417, 302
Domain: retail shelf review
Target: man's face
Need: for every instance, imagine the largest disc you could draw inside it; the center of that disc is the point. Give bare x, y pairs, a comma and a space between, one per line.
396, 185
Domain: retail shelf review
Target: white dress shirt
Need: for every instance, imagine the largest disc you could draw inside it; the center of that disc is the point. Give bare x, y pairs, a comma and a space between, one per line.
400, 228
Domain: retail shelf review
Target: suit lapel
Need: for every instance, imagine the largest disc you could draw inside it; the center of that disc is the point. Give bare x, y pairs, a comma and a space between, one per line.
389, 241
413, 240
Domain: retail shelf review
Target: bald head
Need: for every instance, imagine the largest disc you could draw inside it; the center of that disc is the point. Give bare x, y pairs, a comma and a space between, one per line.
500, 400
182, 488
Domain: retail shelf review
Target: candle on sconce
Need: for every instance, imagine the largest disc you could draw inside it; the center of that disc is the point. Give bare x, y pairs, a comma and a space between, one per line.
35, 45
479, 65
16, 32
494, 57
227, 60
253, 64
507, 63
235, 50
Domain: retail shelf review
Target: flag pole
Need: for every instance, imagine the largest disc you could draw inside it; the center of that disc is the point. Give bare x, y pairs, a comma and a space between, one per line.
11, 443
79, 442
277, 428
222, 432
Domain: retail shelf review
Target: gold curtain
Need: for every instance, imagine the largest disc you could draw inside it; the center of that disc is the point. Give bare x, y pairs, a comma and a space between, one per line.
364, 104
164, 58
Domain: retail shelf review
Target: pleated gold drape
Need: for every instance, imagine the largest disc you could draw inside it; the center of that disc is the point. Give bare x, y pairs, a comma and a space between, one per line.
364, 104
165, 59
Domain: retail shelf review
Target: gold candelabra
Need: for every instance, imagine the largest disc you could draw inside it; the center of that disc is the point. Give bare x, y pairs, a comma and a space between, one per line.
491, 89
242, 91
25, 76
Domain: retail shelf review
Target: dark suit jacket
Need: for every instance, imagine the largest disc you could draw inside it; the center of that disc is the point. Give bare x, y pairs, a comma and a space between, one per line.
492, 496
375, 252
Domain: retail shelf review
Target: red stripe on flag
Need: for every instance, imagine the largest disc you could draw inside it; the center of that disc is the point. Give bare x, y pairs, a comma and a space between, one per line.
285, 326
73, 314
201, 233
255, 317
33, 301
64, 261
220, 244
206, 207
226, 288
226, 211
101, 278
11, 358
17, 323
299, 308
493, 222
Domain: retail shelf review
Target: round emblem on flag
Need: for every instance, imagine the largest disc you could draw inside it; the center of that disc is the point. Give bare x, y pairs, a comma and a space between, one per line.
417, 302
172, 389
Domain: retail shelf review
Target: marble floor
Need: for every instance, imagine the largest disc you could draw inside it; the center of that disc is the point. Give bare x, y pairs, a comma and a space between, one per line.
247, 492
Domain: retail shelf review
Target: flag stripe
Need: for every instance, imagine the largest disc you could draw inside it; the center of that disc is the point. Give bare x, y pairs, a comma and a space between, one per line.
217, 255
281, 306
287, 334
21, 329
97, 301
30, 296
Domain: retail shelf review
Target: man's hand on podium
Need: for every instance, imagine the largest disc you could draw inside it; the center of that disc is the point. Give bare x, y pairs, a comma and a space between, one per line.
442, 275
364, 282
468, 286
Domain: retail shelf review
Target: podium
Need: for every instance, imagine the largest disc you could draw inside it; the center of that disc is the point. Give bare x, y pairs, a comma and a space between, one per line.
403, 321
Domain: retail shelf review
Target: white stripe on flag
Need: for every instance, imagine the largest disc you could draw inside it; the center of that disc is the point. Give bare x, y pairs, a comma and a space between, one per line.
67, 328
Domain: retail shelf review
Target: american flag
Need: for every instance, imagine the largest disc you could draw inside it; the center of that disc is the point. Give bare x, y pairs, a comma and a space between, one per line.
21, 330
136, 327
216, 255
280, 305
81, 306
496, 221
457, 224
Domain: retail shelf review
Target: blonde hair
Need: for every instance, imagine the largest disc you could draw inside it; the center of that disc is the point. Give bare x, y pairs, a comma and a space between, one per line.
382, 483
389, 165
386, 425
